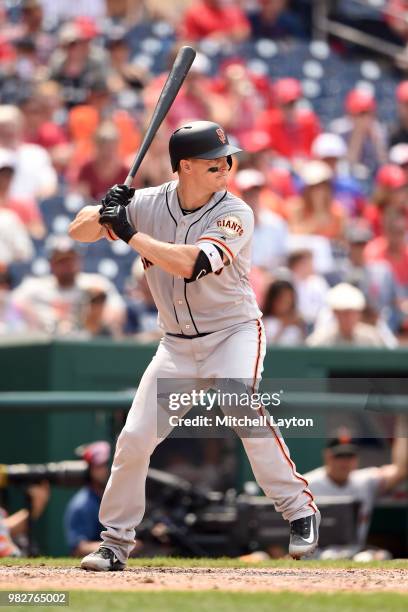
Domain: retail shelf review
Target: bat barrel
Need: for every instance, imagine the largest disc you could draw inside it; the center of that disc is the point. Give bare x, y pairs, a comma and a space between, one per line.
175, 79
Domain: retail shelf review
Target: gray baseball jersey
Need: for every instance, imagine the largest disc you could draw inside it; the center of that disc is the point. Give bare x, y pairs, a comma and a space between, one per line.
220, 299
223, 303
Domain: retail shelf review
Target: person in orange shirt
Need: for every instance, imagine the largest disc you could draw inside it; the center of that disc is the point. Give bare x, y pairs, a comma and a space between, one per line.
315, 211
291, 129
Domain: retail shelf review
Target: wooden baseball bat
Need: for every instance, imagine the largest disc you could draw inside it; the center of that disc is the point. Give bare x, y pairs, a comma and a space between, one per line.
178, 73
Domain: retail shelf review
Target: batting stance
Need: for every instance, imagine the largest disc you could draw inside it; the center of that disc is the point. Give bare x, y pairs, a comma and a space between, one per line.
195, 240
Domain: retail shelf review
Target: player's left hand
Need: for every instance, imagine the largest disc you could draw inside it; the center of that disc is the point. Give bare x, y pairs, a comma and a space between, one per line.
118, 194
115, 216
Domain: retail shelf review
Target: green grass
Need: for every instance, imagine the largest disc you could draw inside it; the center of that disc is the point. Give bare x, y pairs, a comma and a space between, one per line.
205, 601
219, 562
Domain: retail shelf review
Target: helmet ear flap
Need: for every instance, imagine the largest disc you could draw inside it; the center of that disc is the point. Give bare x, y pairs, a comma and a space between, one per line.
229, 161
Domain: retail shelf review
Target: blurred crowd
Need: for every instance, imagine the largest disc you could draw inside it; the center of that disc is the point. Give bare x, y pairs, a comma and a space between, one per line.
330, 256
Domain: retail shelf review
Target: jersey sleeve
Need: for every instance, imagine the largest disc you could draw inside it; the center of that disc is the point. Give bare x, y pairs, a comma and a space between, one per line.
230, 231
369, 479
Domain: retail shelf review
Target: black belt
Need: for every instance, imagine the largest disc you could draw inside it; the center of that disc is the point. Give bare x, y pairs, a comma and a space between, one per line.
188, 337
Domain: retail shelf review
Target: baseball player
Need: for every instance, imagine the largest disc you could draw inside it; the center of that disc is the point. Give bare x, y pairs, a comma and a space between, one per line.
195, 240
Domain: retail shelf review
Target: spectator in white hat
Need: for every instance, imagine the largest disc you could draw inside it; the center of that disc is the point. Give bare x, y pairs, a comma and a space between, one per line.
332, 149
347, 304
315, 211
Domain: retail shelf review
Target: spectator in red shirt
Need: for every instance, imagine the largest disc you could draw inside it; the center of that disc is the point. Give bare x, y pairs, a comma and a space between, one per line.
291, 129
105, 168
392, 246
211, 19
390, 193
364, 133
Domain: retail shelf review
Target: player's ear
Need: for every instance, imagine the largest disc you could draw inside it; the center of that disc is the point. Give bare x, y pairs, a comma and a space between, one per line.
185, 165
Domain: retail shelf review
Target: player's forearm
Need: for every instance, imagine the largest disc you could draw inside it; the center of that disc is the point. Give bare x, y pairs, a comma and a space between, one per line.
85, 227
176, 259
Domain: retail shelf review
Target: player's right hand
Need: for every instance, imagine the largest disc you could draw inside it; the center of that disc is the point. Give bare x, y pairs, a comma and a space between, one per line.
117, 195
115, 217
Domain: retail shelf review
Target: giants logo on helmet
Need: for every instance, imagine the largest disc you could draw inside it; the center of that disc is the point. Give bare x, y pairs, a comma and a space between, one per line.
221, 135
231, 226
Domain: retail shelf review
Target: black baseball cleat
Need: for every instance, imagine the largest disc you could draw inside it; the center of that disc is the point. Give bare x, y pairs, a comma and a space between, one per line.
304, 535
102, 560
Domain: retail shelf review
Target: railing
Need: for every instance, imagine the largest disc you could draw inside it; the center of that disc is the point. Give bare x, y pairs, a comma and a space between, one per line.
48, 401
323, 26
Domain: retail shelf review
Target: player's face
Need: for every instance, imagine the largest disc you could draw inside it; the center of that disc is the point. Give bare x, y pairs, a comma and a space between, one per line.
212, 173
339, 468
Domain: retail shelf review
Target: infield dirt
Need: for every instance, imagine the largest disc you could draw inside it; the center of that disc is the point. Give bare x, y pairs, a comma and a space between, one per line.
305, 580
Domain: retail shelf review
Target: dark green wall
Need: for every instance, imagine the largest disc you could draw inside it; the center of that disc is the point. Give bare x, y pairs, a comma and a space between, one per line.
52, 435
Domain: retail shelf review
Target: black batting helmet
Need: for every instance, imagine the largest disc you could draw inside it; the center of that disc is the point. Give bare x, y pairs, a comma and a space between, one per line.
201, 140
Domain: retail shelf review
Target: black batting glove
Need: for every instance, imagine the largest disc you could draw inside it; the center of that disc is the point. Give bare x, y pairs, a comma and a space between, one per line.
115, 217
117, 195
